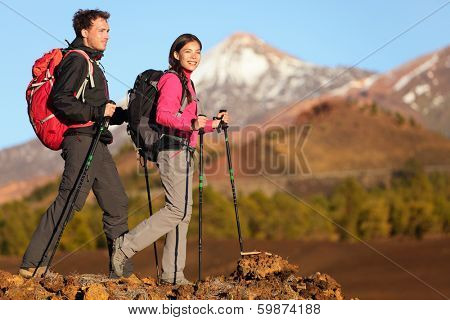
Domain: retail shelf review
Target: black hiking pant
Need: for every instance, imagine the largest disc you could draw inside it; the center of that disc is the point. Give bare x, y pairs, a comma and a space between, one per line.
104, 180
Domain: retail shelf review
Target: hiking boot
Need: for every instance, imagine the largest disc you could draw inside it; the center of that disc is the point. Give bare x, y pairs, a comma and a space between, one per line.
127, 269
118, 257
27, 273
179, 282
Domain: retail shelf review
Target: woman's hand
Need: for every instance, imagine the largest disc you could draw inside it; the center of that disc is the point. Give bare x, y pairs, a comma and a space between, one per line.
199, 123
222, 116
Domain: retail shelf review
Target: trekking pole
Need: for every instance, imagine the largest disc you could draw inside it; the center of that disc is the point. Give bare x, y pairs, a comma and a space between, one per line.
158, 273
73, 195
233, 187
200, 205
224, 126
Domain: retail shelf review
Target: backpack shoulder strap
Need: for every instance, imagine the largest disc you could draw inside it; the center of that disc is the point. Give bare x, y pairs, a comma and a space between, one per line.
184, 101
90, 76
199, 105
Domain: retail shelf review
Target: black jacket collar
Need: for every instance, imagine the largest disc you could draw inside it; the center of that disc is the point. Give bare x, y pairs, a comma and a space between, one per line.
92, 53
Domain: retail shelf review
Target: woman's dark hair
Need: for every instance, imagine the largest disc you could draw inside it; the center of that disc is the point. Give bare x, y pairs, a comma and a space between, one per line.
175, 65
82, 19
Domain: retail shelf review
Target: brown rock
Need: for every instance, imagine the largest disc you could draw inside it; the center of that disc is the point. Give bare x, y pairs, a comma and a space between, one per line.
261, 265
261, 276
339, 295
73, 280
216, 288
131, 280
71, 292
15, 281
8, 280
112, 286
86, 280
53, 283
321, 287
158, 293
119, 289
184, 292
149, 281
4, 276
30, 290
119, 295
96, 292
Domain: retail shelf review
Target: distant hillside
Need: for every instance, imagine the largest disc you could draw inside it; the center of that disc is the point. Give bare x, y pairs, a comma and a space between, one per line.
343, 135
346, 138
419, 88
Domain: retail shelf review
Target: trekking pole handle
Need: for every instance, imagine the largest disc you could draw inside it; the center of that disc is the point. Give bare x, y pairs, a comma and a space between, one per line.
221, 124
106, 120
201, 130
105, 123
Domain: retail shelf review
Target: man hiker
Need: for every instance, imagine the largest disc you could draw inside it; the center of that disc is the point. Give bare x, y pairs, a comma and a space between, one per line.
83, 115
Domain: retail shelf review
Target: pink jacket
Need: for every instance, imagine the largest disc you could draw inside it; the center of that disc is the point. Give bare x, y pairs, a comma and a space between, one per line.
169, 102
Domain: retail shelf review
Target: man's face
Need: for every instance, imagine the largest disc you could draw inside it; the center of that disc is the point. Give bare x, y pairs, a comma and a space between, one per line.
96, 37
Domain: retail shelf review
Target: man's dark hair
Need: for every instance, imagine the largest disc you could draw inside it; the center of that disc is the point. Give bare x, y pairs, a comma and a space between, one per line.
82, 19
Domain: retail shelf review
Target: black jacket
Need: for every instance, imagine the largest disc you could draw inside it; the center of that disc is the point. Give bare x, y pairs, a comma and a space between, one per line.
69, 77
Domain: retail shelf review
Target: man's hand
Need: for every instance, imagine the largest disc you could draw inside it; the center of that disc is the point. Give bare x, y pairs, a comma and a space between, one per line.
221, 115
109, 109
199, 123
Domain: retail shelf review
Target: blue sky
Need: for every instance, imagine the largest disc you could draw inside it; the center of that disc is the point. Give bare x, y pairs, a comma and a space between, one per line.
323, 32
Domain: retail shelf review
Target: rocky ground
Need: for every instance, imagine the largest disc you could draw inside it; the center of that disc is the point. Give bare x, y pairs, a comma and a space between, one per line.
261, 276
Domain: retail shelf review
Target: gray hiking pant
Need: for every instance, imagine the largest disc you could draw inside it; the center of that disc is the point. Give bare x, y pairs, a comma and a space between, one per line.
104, 180
176, 170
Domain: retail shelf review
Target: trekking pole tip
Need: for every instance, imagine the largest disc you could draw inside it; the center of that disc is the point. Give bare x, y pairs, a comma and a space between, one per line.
250, 253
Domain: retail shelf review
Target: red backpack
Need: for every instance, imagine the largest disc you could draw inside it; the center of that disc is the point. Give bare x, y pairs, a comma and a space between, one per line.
49, 129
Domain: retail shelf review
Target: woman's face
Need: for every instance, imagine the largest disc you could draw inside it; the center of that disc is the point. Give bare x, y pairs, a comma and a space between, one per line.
189, 56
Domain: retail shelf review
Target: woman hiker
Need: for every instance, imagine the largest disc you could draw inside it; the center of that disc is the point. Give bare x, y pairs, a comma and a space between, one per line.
180, 132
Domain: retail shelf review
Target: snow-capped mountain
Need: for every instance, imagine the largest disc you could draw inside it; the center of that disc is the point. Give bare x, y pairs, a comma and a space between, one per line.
419, 88
249, 77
